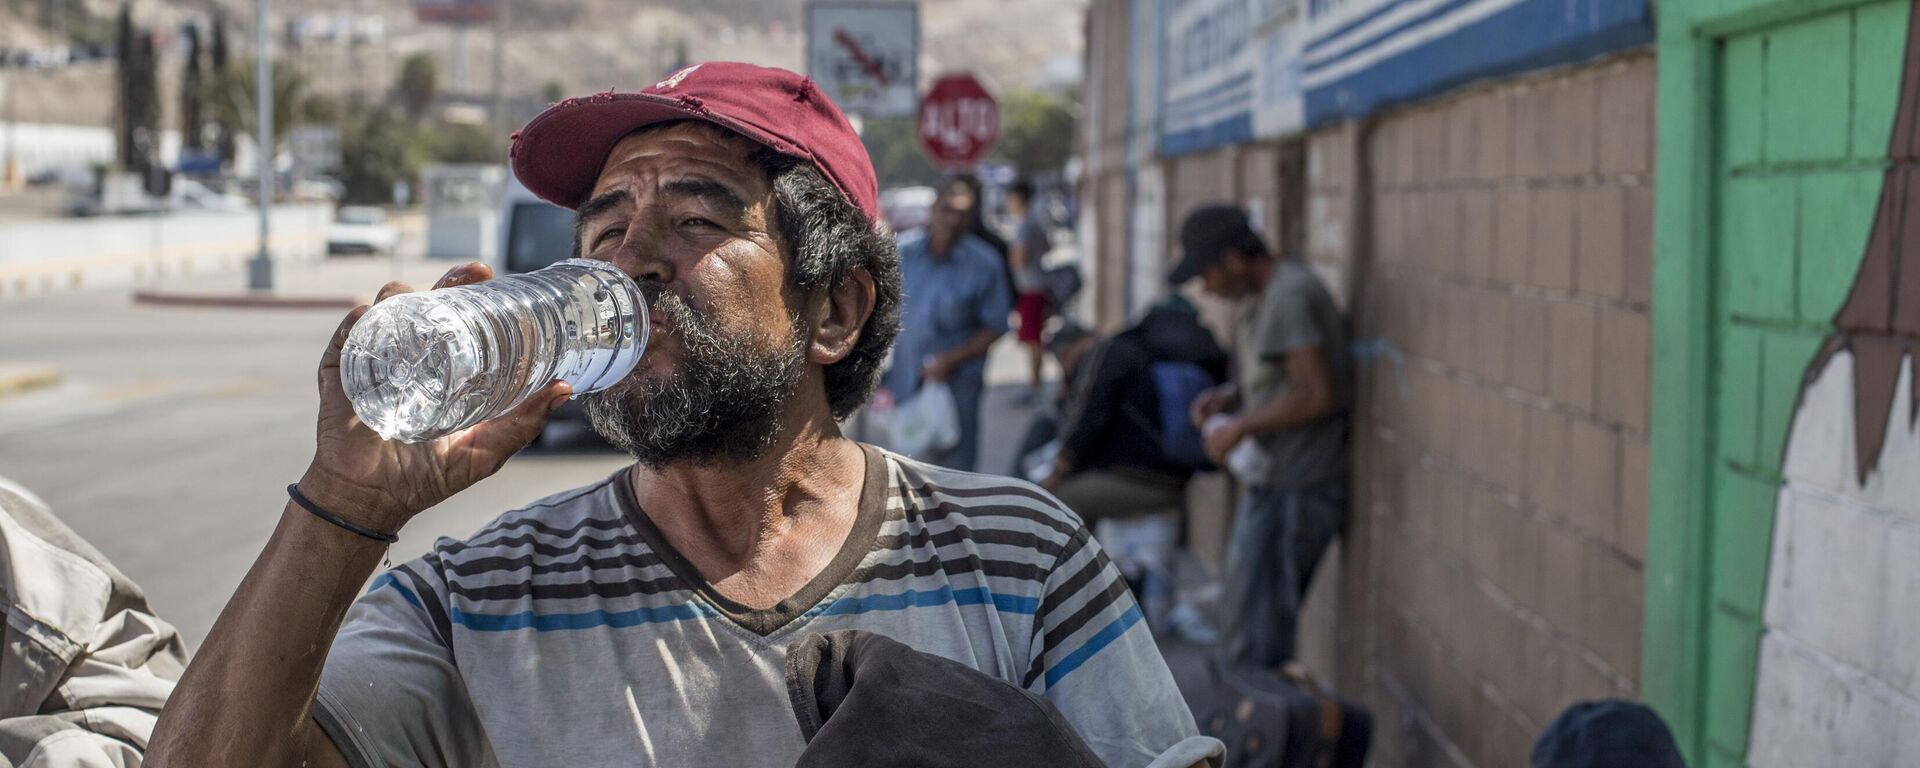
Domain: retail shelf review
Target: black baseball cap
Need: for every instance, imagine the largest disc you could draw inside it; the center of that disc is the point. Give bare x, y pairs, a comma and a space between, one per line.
1608, 733
1207, 234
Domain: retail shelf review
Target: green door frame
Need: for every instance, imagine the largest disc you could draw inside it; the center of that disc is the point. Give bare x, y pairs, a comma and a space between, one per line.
1680, 527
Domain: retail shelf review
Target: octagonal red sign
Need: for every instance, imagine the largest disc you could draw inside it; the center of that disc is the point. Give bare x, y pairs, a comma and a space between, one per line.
958, 121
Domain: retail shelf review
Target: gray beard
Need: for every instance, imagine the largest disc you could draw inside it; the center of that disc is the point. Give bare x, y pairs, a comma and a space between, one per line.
722, 406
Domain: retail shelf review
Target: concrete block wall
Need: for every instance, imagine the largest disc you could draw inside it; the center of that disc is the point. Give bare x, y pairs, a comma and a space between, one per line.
1103, 142
1499, 239
1491, 572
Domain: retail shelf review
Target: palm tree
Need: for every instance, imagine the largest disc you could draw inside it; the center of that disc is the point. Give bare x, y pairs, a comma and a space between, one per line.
233, 101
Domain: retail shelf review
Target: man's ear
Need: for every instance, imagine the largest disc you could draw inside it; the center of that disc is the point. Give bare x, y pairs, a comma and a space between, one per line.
836, 329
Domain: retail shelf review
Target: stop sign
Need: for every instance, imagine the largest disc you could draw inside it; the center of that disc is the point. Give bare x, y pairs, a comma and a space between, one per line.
958, 121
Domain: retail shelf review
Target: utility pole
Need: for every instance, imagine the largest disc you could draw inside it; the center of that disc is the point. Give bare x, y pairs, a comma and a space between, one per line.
260, 270
9, 170
9, 165
499, 122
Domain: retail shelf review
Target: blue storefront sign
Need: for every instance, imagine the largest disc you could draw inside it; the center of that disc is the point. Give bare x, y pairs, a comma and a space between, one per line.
1279, 104
1207, 75
1359, 56
1228, 71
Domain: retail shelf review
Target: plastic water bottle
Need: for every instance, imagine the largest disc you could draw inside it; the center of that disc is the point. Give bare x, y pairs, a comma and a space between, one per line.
421, 365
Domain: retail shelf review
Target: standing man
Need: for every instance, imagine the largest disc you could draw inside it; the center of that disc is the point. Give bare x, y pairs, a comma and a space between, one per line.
1029, 247
955, 307
646, 619
1293, 388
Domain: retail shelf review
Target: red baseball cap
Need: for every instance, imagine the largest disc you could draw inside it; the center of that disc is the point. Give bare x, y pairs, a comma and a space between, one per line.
559, 154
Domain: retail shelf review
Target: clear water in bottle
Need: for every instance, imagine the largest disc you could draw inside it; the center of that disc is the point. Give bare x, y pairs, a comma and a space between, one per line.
421, 365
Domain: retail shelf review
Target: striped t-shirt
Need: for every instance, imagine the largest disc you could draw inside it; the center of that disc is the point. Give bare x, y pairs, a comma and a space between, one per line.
571, 633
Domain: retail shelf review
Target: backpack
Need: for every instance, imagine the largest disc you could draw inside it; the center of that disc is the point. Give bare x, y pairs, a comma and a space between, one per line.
1283, 720
1177, 384
1063, 283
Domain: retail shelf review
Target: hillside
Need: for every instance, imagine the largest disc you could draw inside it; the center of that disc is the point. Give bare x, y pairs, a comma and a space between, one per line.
579, 45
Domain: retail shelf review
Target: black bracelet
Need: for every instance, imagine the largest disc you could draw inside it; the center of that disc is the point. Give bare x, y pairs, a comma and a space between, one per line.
293, 491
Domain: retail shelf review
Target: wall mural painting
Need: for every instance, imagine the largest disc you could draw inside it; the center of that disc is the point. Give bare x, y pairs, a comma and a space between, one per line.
1838, 654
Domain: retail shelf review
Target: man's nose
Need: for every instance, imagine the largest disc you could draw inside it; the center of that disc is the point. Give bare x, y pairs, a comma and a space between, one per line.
641, 259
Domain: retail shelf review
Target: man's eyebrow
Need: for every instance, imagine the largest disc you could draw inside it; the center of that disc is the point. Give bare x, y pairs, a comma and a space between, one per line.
595, 208
708, 191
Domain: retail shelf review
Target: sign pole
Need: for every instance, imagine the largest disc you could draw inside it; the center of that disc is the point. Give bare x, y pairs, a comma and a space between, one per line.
260, 270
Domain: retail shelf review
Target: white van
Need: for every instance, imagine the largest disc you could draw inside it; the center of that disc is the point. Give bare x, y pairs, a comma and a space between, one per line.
533, 232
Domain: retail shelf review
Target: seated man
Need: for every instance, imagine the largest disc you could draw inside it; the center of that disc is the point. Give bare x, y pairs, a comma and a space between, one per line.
1116, 467
645, 619
1113, 462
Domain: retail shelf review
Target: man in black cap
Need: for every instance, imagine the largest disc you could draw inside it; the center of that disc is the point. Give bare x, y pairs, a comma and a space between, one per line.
1292, 387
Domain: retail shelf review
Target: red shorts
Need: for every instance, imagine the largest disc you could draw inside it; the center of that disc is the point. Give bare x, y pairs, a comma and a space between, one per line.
1033, 316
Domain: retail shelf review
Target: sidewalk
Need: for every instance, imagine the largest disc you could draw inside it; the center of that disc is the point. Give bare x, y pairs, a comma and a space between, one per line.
333, 283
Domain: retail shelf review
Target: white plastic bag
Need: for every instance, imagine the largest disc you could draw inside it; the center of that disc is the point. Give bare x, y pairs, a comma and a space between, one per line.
1038, 464
1247, 460
925, 422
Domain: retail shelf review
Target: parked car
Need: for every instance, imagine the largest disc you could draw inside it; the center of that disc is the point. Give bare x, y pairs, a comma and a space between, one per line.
361, 229
192, 195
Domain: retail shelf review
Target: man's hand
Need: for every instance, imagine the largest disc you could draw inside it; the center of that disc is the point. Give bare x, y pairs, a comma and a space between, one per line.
937, 368
1221, 439
1220, 399
382, 484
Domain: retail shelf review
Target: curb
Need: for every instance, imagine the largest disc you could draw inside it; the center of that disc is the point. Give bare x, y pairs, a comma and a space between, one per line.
244, 300
20, 378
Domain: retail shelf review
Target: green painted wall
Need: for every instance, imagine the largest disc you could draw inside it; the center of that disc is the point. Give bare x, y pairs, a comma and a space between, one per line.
1774, 117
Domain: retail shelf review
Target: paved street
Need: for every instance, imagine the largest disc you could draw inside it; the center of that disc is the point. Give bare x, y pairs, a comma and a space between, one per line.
173, 431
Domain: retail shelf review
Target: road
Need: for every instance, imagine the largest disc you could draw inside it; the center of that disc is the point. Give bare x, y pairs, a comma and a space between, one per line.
172, 436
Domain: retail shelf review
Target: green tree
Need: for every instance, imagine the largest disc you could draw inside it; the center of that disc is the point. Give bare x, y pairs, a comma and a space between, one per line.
322, 108
1036, 131
233, 98
897, 159
138, 137
376, 149
553, 91
459, 143
218, 62
419, 83
193, 94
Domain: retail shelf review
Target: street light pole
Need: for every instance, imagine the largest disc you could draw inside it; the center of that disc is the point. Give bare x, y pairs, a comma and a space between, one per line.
260, 270
499, 116
9, 170
9, 166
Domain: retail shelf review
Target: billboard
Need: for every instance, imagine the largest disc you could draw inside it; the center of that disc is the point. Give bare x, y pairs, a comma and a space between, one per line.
866, 55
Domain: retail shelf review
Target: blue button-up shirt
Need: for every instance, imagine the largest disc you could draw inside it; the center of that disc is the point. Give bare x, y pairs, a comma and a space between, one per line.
947, 301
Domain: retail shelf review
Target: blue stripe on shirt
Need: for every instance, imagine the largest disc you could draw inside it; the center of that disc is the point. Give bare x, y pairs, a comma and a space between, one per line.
387, 580
1100, 640
548, 622
846, 606
926, 598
